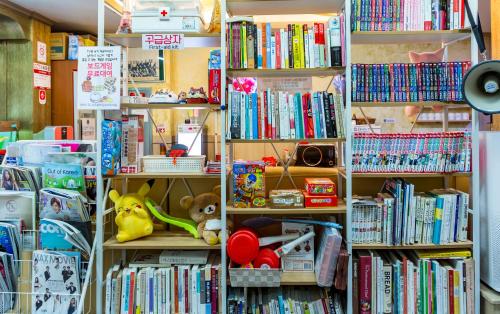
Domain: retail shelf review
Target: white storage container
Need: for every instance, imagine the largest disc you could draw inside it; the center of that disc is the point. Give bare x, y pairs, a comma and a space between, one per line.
162, 164
157, 16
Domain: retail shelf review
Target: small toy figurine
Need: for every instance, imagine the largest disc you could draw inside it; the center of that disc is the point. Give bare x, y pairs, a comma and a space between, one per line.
125, 24
132, 215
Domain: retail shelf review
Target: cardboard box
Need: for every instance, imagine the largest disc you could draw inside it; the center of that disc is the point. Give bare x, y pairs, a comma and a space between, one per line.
320, 186
74, 41
89, 40
301, 258
88, 129
58, 46
312, 201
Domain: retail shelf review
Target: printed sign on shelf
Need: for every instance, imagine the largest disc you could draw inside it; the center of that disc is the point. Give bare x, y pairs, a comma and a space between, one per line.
163, 41
99, 78
41, 52
41, 76
42, 97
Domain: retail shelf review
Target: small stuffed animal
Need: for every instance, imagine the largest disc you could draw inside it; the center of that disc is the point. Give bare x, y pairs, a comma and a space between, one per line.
205, 210
132, 216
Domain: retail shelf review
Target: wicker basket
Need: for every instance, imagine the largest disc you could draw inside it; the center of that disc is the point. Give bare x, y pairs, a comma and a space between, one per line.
248, 277
162, 164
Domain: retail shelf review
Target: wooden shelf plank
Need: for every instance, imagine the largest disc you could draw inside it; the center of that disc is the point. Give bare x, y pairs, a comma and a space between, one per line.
307, 140
170, 106
280, 7
298, 278
450, 105
158, 175
340, 209
161, 240
417, 246
398, 37
441, 121
403, 174
191, 40
284, 72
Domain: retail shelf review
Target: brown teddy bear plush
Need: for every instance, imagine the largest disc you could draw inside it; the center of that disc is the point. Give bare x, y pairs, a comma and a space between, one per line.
205, 210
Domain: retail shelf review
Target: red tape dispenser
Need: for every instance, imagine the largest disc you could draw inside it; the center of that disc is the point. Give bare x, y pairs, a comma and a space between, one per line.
243, 247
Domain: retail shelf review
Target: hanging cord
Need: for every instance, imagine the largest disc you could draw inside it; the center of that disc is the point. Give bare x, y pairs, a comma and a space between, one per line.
477, 30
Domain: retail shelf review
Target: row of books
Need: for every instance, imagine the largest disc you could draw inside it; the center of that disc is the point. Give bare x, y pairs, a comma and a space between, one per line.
260, 46
285, 300
408, 15
164, 289
407, 282
282, 115
401, 216
444, 152
403, 82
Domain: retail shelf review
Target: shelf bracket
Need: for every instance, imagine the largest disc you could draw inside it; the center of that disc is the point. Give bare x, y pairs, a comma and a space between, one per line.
285, 166
416, 119
366, 120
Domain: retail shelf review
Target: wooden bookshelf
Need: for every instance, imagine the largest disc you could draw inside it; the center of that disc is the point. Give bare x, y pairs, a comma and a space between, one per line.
191, 40
450, 105
304, 140
400, 37
284, 72
340, 209
160, 175
170, 106
417, 246
403, 174
161, 240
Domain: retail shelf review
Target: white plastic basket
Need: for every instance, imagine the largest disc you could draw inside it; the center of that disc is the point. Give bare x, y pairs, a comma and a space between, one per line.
162, 164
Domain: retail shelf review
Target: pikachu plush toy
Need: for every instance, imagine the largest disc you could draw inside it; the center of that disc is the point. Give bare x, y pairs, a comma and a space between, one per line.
132, 216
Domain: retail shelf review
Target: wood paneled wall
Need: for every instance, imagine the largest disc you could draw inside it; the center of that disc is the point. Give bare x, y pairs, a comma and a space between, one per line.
18, 98
41, 113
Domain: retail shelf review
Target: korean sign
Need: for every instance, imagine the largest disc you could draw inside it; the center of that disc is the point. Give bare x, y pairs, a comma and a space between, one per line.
99, 78
163, 41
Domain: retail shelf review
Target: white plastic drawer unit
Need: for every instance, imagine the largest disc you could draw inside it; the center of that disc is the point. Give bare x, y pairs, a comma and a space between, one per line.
154, 16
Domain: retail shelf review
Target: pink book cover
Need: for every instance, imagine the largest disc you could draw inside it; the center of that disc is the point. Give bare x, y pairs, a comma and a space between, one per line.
365, 284
372, 17
278, 49
402, 16
213, 288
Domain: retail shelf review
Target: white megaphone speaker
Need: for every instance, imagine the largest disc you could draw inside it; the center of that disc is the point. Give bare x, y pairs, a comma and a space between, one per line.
481, 84
481, 87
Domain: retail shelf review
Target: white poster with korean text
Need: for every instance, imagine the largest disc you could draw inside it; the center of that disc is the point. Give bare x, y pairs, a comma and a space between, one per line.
99, 78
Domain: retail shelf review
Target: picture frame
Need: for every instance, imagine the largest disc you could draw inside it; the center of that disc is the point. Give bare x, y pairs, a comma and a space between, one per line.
146, 65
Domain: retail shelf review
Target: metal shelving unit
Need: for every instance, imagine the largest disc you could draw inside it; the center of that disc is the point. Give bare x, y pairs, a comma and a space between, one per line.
238, 7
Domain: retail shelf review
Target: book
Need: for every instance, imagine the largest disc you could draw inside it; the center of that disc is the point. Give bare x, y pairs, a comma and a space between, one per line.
450, 152
285, 115
407, 15
399, 216
294, 46
408, 82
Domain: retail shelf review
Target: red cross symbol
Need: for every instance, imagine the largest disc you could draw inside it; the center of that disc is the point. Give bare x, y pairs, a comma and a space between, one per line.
164, 13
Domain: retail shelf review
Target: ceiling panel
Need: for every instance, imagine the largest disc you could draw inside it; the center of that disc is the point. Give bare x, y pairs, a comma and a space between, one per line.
71, 15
